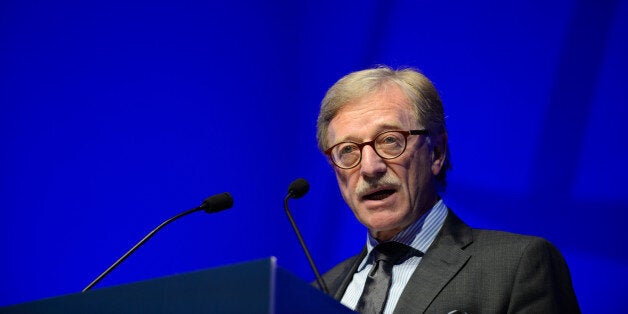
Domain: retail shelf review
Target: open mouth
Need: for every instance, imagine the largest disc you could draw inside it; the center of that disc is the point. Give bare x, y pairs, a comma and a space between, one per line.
379, 195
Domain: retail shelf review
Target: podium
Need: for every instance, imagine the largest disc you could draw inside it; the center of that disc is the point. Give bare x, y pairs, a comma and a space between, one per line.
253, 287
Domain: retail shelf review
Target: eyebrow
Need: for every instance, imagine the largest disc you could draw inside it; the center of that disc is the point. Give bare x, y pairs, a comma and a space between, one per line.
380, 129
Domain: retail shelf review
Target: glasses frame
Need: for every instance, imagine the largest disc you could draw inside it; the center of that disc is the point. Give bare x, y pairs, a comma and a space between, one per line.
372, 144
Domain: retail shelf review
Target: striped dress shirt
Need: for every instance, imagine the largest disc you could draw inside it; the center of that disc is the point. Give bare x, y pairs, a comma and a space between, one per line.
419, 236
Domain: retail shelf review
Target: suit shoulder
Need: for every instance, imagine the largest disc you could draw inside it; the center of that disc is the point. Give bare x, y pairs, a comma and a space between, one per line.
338, 277
540, 276
512, 244
485, 236
341, 267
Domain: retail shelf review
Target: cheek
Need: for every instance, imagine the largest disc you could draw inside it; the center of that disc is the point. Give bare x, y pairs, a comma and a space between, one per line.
416, 173
344, 184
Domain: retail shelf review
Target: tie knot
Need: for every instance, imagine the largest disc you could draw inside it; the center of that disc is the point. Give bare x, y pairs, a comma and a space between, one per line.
390, 252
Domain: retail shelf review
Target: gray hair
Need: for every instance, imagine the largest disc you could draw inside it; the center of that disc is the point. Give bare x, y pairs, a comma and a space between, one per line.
419, 90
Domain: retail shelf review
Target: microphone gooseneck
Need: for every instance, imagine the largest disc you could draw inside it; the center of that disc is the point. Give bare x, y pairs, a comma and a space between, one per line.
297, 189
210, 205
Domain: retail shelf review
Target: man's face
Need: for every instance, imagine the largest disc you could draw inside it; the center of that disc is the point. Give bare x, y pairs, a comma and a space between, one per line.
385, 195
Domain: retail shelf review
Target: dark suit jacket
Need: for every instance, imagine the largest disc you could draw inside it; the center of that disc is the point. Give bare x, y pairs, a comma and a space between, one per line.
478, 271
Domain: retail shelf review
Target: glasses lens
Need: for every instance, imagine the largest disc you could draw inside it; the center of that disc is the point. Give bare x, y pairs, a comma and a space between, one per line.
390, 144
346, 155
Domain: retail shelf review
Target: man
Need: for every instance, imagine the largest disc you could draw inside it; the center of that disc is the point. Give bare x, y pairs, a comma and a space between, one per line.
384, 133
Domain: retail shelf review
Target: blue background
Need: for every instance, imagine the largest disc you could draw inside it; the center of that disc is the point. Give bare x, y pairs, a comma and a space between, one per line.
116, 115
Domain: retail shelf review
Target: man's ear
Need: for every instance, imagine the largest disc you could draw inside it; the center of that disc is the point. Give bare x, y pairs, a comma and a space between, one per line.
439, 152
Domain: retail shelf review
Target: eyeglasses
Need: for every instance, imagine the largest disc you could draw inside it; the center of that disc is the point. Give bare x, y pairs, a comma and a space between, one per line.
387, 145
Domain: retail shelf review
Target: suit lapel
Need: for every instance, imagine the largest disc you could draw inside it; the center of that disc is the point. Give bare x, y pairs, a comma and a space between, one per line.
442, 261
341, 276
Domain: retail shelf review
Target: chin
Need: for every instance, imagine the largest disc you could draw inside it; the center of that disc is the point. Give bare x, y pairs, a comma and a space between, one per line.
382, 222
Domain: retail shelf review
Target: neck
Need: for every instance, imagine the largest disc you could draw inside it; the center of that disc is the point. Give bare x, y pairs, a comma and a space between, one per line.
386, 235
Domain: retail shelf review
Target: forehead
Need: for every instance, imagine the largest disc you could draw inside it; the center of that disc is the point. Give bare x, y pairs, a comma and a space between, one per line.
364, 117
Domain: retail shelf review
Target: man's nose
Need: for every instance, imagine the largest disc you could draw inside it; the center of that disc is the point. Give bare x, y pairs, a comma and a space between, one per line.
372, 164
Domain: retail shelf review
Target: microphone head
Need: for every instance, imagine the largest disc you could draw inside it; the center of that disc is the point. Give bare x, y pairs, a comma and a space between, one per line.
218, 202
298, 188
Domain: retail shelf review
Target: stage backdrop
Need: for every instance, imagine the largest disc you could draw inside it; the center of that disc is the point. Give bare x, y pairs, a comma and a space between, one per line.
116, 115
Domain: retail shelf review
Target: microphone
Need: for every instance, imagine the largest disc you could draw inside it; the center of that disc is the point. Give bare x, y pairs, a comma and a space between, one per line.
216, 203
212, 204
297, 189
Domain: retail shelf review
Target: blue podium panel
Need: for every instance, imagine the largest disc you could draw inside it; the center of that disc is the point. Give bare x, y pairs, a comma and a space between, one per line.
253, 287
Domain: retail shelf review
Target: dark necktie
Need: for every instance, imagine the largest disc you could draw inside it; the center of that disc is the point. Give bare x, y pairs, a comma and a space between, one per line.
377, 284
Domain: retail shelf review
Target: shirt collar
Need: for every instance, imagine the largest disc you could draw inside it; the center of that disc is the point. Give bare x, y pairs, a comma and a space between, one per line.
419, 235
